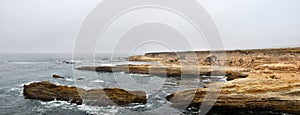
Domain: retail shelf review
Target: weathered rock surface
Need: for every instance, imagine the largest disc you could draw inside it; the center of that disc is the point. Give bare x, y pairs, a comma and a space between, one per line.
47, 91
270, 77
173, 70
143, 58
278, 67
231, 58
265, 93
234, 64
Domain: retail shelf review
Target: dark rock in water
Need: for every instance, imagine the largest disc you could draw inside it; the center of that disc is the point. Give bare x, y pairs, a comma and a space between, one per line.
46, 91
69, 62
80, 79
57, 76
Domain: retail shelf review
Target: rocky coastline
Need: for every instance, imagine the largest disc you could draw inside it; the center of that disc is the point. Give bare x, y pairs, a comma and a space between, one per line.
258, 79
261, 79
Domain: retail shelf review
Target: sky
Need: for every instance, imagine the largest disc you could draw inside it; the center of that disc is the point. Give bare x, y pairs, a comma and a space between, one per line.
51, 26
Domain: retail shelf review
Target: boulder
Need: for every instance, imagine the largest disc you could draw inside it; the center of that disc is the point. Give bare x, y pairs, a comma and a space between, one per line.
47, 91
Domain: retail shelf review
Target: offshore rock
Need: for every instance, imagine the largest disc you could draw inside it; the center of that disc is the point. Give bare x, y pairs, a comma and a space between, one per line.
47, 91
57, 76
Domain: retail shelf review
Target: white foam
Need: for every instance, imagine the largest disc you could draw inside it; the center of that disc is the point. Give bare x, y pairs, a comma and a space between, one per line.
86, 87
171, 83
27, 83
96, 110
69, 79
139, 106
107, 64
69, 61
98, 81
56, 103
142, 75
218, 77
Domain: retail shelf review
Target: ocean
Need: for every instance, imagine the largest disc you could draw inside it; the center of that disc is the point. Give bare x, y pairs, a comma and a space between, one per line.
19, 69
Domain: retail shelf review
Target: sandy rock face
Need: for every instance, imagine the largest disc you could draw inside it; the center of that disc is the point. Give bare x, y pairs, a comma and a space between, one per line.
47, 91
249, 94
278, 67
173, 70
143, 58
262, 79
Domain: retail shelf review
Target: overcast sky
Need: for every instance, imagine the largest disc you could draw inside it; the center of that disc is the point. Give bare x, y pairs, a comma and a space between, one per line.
50, 26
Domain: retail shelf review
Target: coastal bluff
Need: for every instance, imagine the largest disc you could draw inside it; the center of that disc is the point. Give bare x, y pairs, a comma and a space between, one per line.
257, 79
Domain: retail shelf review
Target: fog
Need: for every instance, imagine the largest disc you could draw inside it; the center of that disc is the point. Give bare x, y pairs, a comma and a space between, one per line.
51, 26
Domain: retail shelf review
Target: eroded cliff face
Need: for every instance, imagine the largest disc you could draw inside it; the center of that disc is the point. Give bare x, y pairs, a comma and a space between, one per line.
237, 58
273, 82
270, 94
266, 79
174, 70
233, 64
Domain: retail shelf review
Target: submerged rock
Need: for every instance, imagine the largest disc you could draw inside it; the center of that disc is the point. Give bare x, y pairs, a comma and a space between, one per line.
80, 79
47, 91
58, 76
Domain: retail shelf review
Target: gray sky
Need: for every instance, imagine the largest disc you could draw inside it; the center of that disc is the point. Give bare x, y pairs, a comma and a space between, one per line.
50, 26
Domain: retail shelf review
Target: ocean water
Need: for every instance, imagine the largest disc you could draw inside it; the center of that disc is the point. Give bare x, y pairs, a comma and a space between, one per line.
19, 69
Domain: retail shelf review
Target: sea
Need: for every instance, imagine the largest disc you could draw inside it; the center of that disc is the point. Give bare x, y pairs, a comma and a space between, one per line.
17, 70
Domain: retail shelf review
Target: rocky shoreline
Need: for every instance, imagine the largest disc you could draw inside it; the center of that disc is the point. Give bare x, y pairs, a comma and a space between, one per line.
262, 79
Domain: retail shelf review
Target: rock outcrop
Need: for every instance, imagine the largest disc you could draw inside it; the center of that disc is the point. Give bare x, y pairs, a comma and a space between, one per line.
266, 92
278, 67
173, 70
144, 58
47, 91
261, 79
270, 78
